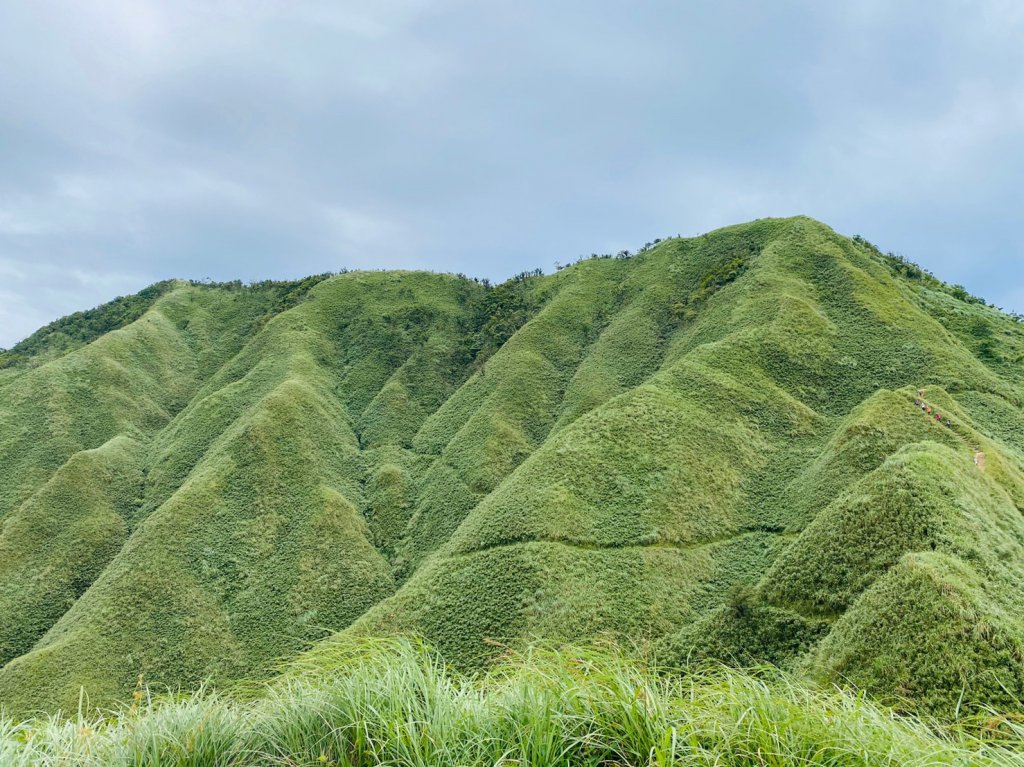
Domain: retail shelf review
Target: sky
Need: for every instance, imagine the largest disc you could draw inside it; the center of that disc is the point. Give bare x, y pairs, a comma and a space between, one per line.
148, 139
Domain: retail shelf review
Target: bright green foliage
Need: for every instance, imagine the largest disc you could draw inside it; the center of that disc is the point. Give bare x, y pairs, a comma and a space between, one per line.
80, 328
396, 703
57, 542
744, 631
248, 539
711, 448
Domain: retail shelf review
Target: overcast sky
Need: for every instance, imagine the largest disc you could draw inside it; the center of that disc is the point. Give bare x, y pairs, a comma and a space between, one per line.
143, 139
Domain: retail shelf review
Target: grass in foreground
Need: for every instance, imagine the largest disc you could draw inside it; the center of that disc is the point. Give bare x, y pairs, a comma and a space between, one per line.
395, 703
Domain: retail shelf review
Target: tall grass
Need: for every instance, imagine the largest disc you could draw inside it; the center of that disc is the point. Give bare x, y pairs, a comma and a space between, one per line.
394, 703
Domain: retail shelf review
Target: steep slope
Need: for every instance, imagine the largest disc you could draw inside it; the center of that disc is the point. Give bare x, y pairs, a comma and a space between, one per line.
647, 511
712, 446
248, 540
57, 542
71, 441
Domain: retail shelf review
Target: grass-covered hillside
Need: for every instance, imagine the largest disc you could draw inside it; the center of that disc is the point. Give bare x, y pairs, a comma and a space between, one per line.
712, 450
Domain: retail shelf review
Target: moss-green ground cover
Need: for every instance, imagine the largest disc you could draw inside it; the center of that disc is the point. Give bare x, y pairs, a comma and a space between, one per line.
710, 450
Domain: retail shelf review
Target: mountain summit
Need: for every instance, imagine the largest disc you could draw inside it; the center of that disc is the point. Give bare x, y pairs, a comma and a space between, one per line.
768, 443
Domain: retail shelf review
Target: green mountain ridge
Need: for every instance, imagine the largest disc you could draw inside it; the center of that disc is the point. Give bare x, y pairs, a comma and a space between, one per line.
711, 450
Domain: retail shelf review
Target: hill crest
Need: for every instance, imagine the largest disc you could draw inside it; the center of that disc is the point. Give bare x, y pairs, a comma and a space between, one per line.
665, 447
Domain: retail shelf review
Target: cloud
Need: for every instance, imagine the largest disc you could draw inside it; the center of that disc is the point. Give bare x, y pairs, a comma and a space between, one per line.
147, 139
31, 295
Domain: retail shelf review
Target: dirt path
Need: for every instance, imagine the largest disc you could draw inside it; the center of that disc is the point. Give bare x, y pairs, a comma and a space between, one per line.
927, 410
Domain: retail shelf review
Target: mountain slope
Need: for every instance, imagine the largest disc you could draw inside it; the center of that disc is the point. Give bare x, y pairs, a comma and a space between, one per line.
712, 446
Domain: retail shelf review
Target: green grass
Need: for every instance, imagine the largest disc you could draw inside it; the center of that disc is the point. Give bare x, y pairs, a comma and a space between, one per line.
246, 540
58, 541
78, 329
396, 703
708, 450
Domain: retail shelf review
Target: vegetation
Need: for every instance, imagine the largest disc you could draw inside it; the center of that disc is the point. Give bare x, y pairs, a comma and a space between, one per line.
396, 703
709, 449
78, 329
499, 313
82, 327
712, 281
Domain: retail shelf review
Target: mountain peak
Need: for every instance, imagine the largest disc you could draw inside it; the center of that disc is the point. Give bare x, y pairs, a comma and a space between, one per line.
717, 444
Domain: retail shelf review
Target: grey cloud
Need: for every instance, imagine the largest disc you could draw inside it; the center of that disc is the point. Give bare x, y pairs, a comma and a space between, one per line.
143, 139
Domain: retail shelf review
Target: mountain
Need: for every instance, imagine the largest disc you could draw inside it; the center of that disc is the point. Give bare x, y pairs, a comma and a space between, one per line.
713, 449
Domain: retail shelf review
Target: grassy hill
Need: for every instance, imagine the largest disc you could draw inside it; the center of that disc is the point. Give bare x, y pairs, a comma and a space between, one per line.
708, 450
